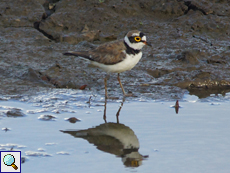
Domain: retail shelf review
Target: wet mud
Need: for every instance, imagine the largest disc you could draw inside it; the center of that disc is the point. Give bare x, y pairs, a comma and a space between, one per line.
190, 50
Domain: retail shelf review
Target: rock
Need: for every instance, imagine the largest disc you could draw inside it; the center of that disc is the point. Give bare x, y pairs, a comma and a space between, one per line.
14, 112
187, 57
158, 72
20, 13
72, 119
47, 117
175, 8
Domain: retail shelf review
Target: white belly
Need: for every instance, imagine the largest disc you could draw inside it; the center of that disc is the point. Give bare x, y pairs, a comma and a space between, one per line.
127, 64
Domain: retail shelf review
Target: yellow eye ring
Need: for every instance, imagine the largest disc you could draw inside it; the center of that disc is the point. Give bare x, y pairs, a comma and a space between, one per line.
137, 39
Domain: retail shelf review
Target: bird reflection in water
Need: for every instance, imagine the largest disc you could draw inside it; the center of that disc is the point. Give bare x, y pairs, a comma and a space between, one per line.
113, 138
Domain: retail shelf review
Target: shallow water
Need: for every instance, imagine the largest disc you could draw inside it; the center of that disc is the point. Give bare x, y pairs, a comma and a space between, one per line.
194, 140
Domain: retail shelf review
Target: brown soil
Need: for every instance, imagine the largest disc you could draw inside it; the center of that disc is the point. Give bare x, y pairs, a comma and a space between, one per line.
190, 41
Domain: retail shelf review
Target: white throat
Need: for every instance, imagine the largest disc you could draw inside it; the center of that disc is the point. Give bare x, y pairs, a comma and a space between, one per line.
136, 46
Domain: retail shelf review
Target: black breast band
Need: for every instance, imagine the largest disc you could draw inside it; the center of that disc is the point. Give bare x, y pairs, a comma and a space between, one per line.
130, 50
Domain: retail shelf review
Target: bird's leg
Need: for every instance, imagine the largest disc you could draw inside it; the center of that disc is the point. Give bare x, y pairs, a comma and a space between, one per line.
125, 95
104, 116
118, 78
119, 110
106, 95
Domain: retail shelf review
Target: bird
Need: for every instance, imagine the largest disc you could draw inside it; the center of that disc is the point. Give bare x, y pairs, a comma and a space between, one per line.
116, 56
114, 138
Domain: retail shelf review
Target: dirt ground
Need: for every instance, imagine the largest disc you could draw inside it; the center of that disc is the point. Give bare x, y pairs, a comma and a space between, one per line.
190, 45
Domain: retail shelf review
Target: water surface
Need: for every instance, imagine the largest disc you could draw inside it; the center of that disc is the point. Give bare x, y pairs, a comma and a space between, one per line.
150, 136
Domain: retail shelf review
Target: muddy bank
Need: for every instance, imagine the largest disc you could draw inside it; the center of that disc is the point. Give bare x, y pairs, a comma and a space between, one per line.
190, 45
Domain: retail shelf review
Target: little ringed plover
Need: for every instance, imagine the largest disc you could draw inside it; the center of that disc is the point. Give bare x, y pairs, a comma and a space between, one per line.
117, 56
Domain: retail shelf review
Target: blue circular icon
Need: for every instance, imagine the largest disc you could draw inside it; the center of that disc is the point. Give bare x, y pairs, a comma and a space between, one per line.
8, 159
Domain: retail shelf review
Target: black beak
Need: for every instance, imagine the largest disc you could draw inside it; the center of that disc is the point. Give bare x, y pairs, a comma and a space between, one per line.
147, 43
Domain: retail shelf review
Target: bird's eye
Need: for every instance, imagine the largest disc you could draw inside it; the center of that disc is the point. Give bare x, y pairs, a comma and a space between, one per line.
137, 39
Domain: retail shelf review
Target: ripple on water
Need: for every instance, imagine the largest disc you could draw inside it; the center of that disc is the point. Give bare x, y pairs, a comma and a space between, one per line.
47, 118
11, 146
36, 153
62, 153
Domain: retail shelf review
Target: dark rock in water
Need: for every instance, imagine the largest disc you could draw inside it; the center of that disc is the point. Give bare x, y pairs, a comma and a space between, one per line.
14, 112
47, 117
72, 119
6, 129
23, 159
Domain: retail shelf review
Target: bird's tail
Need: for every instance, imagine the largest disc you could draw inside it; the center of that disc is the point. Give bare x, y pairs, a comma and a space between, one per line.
70, 54
83, 54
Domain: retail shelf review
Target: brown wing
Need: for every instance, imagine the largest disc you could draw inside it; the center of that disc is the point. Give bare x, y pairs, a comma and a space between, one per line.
108, 53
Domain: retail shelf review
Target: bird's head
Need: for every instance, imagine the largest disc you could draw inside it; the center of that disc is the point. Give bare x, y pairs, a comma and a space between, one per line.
136, 40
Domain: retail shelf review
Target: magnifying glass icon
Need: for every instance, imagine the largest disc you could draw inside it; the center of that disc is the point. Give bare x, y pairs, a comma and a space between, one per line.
9, 160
